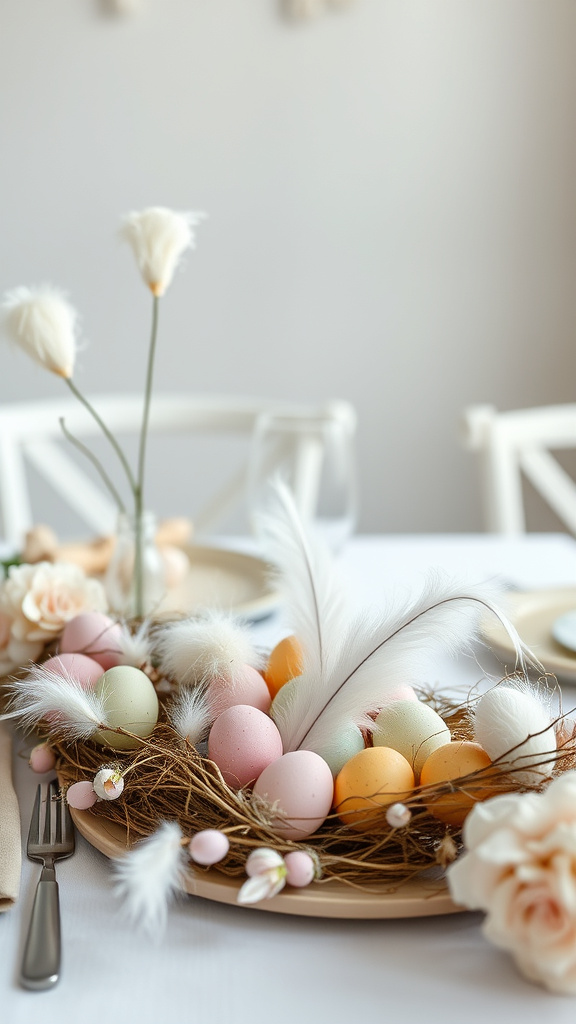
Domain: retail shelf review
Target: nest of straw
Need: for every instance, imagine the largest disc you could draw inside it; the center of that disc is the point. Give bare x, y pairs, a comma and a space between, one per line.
166, 778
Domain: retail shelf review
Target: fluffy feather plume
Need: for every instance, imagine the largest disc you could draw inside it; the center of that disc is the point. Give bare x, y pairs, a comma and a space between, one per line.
136, 647
191, 714
305, 574
71, 712
148, 877
214, 647
352, 662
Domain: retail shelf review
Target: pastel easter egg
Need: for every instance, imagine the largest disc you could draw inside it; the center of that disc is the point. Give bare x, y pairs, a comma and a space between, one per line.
42, 758
248, 687
242, 742
81, 795
285, 663
413, 729
507, 719
374, 778
454, 761
209, 846
302, 785
82, 668
94, 634
300, 869
346, 742
130, 703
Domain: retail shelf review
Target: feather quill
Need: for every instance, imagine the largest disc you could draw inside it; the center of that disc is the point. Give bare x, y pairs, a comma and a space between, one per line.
351, 661
148, 877
71, 712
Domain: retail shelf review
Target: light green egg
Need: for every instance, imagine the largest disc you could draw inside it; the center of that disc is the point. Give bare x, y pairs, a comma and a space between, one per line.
130, 703
412, 728
341, 747
282, 698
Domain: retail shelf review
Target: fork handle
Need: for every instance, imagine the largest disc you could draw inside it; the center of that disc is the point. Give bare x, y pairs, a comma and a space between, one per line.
41, 962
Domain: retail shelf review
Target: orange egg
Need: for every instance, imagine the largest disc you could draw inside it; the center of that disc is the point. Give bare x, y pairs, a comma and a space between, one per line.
369, 781
284, 663
453, 761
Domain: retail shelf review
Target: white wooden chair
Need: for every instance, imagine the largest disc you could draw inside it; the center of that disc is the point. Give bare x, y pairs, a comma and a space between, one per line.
516, 443
30, 433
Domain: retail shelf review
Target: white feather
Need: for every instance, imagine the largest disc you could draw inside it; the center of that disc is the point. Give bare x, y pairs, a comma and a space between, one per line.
351, 662
136, 647
191, 714
71, 712
313, 595
214, 647
149, 876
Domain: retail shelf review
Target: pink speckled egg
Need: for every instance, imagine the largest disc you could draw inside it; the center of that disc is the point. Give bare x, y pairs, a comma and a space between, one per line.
94, 634
248, 687
242, 742
302, 783
79, 666
81, 795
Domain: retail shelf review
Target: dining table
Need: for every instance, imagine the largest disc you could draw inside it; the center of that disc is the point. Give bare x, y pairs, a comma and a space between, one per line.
217, 963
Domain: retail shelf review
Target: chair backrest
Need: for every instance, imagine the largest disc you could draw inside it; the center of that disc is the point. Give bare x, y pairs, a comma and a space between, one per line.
31, 433
520, 442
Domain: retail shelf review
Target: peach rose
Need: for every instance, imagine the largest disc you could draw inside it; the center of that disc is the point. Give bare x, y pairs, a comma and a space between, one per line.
520, 867
40, 599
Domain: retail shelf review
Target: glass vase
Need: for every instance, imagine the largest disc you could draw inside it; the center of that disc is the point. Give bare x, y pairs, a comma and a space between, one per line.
135, 580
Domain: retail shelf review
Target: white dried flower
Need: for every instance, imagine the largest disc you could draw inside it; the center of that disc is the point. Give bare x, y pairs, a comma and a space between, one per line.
266, 872
398, 815
40, 599
520, 868
158, 238
43, 323
108, 784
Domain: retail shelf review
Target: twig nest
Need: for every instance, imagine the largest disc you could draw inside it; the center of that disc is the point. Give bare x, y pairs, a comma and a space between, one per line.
301, 785
515, 721
370, 781
108, 784
243, 741
208, 846
413, 729
81, 795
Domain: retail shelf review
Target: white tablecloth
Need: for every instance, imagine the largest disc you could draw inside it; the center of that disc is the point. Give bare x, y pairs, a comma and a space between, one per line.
228, 964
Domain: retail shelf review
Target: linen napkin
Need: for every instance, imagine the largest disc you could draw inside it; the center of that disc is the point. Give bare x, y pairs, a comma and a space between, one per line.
10, 844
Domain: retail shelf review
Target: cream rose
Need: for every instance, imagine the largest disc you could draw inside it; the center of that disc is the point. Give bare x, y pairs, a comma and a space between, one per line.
40, 599
520, 867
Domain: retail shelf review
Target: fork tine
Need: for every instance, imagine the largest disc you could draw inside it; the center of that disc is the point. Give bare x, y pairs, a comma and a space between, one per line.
48, 816
34, 833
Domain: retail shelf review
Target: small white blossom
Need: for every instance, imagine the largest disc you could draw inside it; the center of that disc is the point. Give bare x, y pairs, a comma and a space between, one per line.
267, 876
158, 238
43, 323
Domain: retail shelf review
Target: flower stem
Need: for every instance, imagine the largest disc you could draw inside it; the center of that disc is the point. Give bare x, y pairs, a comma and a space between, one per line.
105, 431
139, 487
95, 462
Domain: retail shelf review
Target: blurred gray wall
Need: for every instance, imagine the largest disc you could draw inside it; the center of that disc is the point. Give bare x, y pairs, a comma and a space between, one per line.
392, 215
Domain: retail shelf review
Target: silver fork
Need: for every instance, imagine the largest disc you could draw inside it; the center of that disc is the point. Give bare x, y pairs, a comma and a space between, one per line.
51, 837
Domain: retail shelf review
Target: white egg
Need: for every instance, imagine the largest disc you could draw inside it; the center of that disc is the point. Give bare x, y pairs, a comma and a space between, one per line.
506, 717
130, 703
413, 729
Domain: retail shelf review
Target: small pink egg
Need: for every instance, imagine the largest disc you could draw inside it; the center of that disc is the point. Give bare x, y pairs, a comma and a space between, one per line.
209, 846
79, 666
248, 687
96, 635
404, 692
42, 758
242, 742
302, 783
300, 869
81, 795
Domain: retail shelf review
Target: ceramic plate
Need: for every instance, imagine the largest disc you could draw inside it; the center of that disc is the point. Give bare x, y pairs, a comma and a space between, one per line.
535, 614
331, 899
227, 580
